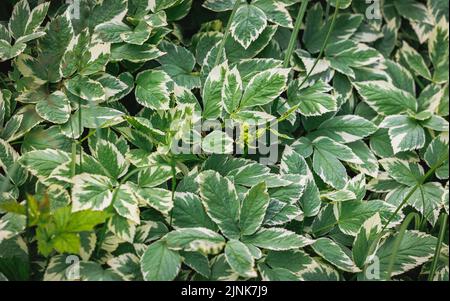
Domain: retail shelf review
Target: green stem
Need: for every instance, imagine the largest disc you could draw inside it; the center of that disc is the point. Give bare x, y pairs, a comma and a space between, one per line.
80, 129
227, 32
325, 43
174, 186
398, 241
91, 133
437, 253
292, 43
322, 49
73, 159
294, 35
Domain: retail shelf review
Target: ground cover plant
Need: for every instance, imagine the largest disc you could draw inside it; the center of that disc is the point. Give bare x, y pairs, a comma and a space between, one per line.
224, 140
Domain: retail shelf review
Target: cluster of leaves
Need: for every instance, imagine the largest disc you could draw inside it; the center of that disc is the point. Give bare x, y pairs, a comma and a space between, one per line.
93, 98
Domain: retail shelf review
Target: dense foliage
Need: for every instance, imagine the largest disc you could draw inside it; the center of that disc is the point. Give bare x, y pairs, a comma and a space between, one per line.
96, 95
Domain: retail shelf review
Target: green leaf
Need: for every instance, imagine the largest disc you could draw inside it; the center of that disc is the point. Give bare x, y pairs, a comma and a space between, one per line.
219, 5
401, 77
405, 133
276, 274
386, 99
19, 19
107, 10
326, 164
253, 209
127, 266
345, 128
240, 258
235, 52
264, 87
342, 4
84, 220
122, 228
330, 147
126, 203
9, 163
152, 89
55, 108
158, 198
415, 249
91, 192
113, 86
315, 33
232, 90
94, 117
312, 99
159, 263
275, 12
427, 199
414, 61
333, 253
135, 53
437, 149
53, 45
45, 164
293, 163
340, 195
370, 163
247, 24
279, 213
11, 224
221, 202
403, 171
178, 63
195, 239
59, 269
212, 92
346, 55
8, 52
36, 17
436, 123
365, 237
66, 243
329, 169
188, 212
439, 51
352, 215
86, 88
277, 239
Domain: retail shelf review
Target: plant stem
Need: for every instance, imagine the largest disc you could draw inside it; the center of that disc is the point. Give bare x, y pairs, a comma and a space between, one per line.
80, 129
294, 35
74, 159
322, 49
226, 33
398, 241
325, 43
292, 43
174, 186
437, 253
